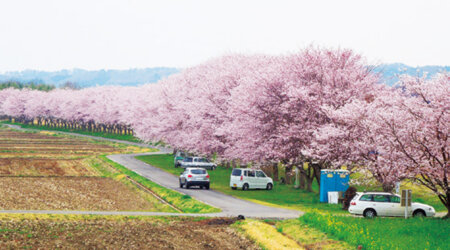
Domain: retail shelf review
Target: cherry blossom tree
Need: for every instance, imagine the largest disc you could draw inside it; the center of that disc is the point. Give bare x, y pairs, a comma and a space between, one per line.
421, 131
318, 105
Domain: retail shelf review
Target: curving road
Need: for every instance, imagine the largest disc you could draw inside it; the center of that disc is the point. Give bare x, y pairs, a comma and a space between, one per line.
230, 206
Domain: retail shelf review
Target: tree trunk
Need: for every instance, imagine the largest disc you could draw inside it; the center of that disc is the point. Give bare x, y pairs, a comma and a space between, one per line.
302, 181
309, 182
287, 174
388, 187
275, 172
446, 201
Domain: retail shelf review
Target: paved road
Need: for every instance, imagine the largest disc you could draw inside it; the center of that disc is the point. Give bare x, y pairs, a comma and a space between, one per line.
229, 205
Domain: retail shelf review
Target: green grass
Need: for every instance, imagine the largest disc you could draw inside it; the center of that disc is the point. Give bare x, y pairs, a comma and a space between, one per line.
281, 195
309, 237
183, 202
383, 233
130, 138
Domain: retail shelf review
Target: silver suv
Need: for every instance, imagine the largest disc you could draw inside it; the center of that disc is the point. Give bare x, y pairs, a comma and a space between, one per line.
194, 177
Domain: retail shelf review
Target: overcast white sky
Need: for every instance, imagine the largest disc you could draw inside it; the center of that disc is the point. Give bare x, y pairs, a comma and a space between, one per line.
111, 34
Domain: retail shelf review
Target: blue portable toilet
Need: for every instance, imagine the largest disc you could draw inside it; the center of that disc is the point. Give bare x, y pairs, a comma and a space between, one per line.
333, 181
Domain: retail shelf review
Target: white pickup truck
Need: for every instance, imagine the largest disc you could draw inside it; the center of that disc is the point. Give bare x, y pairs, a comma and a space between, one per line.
199, 162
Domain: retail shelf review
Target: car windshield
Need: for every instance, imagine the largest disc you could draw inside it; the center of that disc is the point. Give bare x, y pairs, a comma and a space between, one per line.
188, 159
236, 172
198, 171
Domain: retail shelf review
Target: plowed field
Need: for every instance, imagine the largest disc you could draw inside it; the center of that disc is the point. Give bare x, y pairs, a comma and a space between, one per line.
130, 234
45, 167
13, 143
46, 172
79, 193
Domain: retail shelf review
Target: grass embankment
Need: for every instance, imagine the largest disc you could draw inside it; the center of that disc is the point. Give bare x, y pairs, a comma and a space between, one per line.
183, 202
129, 138
265, 235
383, 233
309, 237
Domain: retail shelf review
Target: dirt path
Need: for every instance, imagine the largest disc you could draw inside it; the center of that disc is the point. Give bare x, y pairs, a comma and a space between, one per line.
230, 206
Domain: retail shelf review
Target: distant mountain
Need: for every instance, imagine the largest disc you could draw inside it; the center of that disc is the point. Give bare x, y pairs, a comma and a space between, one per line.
133, 77
391, 71
88, 78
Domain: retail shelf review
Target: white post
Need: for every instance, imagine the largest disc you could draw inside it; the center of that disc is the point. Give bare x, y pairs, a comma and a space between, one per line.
406, 205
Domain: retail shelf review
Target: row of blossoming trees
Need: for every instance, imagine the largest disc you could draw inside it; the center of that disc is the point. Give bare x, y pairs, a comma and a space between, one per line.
325, 107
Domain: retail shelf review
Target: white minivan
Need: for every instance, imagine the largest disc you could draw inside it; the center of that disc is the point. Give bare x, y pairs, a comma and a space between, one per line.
250, 178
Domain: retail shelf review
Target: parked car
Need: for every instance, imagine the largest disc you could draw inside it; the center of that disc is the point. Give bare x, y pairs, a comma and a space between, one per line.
178, 158
250, 179
194, 177
198, 162
372, 204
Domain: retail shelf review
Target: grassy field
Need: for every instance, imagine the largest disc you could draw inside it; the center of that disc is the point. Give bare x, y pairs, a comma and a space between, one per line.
383, 233
281, 195
130, 138
331, 227
309, 237
266, 235
117, 232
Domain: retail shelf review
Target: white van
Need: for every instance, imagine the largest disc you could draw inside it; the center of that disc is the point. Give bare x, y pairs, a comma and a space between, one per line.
250, 178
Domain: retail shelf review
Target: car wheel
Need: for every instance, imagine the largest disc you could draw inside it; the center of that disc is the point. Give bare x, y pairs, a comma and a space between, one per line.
187, 185
181, 184
419, 213
269, 186
245, 187
234, 188
207, 187
369, 213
